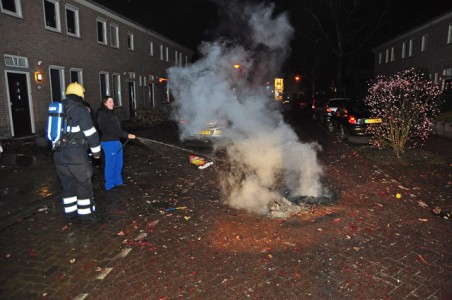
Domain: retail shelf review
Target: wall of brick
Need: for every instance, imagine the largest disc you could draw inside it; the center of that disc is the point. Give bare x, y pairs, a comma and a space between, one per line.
28, 37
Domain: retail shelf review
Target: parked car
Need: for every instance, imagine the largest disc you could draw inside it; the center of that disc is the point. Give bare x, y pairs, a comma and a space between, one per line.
210, 133
329, 107
351, 119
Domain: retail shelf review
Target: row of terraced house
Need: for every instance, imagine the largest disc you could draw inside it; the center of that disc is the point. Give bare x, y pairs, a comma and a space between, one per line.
427, 47
47, 44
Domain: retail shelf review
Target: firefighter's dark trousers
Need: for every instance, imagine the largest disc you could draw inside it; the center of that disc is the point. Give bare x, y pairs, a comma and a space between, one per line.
77, 188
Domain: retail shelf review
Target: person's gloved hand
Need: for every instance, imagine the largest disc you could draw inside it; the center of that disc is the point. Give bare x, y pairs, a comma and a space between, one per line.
131, 136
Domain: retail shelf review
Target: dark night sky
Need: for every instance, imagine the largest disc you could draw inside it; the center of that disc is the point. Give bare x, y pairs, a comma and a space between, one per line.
191, 21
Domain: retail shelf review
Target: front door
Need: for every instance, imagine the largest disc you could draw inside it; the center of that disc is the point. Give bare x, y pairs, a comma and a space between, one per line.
20, 106
132, 99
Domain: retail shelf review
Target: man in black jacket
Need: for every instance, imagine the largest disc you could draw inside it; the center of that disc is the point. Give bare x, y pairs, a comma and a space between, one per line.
71, 159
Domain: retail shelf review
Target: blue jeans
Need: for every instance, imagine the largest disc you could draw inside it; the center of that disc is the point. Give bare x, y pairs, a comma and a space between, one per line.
113, 163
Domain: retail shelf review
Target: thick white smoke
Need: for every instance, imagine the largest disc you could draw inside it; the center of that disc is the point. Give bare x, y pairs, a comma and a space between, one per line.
263, 151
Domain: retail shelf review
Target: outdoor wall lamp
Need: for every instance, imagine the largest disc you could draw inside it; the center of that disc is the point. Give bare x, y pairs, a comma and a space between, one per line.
38, 76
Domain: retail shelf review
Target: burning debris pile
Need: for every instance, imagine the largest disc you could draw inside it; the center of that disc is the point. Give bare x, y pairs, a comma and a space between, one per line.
262, 149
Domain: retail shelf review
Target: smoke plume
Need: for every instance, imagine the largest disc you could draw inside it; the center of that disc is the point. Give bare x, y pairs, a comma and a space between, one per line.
263, 151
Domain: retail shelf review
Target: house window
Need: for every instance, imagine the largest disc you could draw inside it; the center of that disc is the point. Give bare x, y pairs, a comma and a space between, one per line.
392, 54
76, 75
151, 49
52, 15
411, 48
16, 61
104, 84
424, 42
167, 54
161, 51
130, 42
175, 57
117, 89
403, 50
11, 7
114, 35
72, 21
57, 83
387, 56
180, 58
380, 58
101, 31
449, 35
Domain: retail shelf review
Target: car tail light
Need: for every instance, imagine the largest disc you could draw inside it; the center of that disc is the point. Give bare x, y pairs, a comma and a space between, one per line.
328, 109
351, 120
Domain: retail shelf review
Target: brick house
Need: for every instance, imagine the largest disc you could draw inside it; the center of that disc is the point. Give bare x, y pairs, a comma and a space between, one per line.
46, 44
427, 47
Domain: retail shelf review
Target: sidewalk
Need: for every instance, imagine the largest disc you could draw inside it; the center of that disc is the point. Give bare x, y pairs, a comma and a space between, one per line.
167, 235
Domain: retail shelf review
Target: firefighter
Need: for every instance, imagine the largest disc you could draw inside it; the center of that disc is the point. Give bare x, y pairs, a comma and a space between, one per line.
71, 159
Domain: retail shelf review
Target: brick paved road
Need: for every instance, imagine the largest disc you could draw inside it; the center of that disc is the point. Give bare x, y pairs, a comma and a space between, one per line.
167, 235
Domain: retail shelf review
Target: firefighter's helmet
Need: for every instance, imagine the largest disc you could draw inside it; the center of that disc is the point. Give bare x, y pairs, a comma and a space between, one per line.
75, 88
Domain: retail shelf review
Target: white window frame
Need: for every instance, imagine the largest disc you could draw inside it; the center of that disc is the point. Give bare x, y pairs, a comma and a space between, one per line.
411, 48
79, 72
151, 48
424, 42
114, 35
403, 50
116, 80
17, 13
103, 22
449, 34
130, 41
107, 83
15, 61
56, 6
75, 10
62, 81
392, 54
